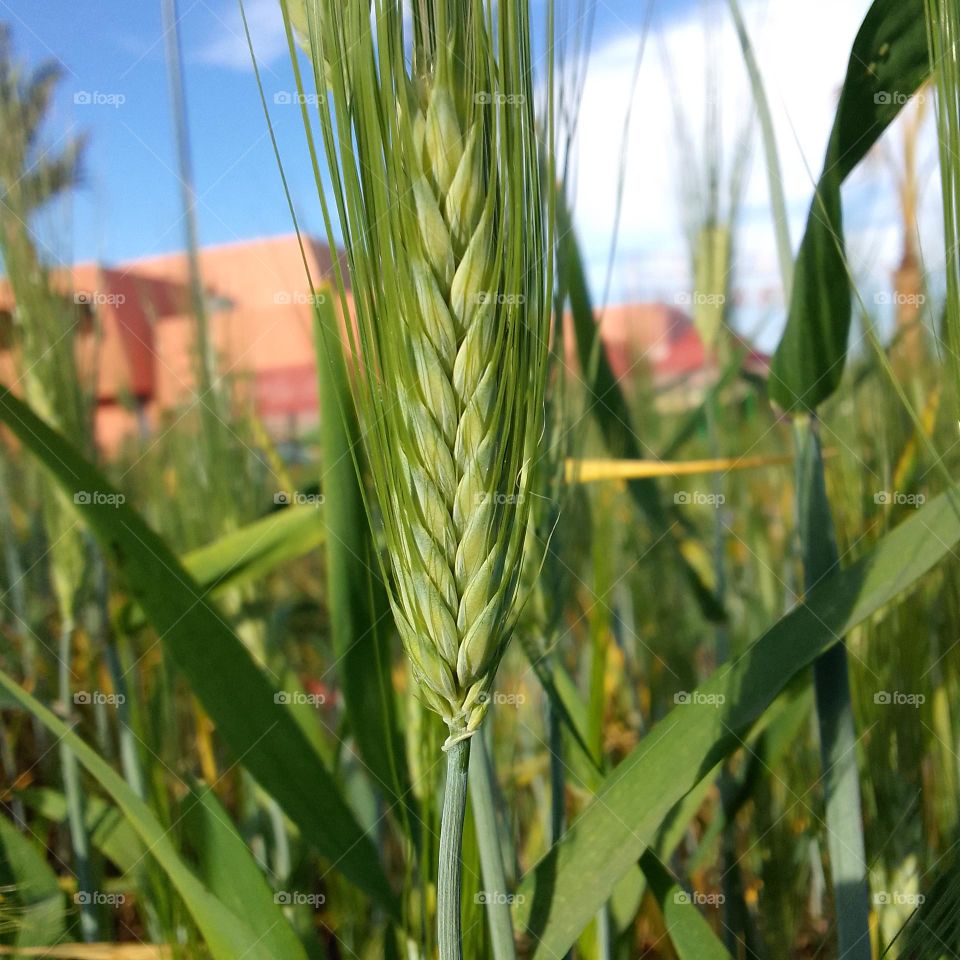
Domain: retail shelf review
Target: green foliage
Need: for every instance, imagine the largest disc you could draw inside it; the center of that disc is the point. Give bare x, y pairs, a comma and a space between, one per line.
226, 934
888, 63
359, 611
690, 741
33, 908
246, 708
607, 742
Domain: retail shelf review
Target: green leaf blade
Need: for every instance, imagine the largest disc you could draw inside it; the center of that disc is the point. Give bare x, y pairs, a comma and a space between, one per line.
888, 62
260, 731
682, 749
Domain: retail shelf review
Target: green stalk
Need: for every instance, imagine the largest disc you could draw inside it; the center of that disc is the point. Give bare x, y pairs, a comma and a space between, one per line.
558, 790
72, 791
844, 821
557, 787
604, 933
491, 853
129, 757
838, 739
188, 197
943, 38
451, 838
778, 201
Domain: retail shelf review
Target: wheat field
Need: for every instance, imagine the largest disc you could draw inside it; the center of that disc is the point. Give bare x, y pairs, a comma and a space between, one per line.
499, 617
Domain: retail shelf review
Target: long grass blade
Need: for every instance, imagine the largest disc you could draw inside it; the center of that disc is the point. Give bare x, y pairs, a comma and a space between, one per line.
610, 836
247, 710
226, 934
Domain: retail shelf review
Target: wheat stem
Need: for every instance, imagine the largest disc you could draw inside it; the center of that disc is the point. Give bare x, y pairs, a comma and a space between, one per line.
72, 790
451, 836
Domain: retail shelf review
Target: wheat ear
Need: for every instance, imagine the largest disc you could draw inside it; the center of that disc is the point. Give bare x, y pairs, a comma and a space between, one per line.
434, 162
454, 588
436, 172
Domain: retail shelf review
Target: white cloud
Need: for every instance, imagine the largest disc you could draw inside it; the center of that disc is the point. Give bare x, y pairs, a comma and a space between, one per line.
227, 46
803, 66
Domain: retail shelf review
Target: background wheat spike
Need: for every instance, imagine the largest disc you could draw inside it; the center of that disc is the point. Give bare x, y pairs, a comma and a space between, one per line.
438, 190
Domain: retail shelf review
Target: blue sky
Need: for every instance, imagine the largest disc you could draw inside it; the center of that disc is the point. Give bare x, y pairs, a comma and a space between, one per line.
129, 205
114, 52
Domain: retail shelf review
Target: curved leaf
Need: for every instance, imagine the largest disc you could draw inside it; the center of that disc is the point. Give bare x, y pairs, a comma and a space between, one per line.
887, 64
690, 933
227, 936
259, 730
30, 887
228, 868
682, 749
250, 552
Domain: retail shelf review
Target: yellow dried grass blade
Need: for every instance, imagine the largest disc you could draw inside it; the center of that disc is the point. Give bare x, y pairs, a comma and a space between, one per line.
594, 470
92, 951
